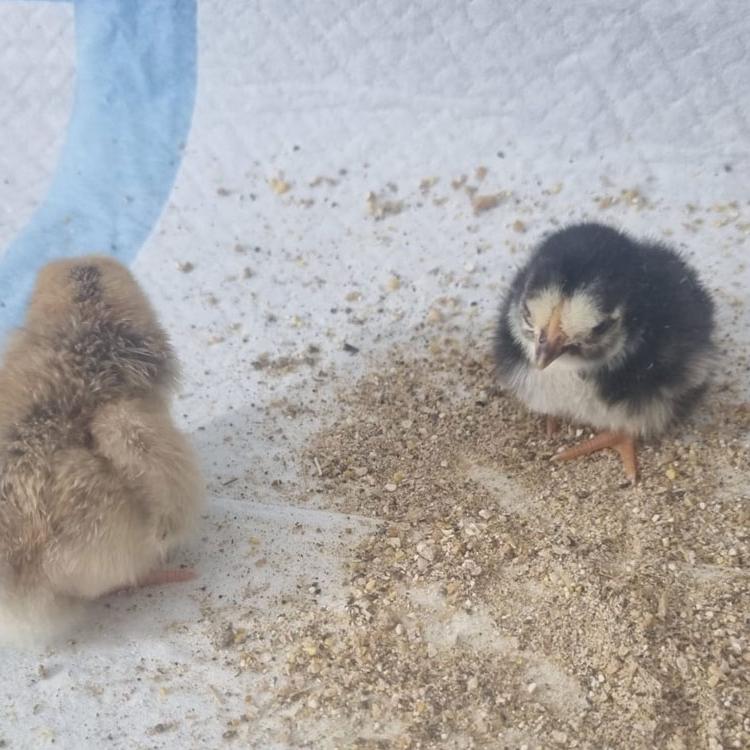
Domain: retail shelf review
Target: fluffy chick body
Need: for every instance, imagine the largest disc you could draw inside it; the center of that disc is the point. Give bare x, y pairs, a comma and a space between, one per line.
605, 331
97, 485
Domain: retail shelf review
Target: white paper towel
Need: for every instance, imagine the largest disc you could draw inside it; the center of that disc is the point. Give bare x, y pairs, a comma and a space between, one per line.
564, 103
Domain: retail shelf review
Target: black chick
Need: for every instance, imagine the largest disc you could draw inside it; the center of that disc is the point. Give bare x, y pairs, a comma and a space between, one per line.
600, 329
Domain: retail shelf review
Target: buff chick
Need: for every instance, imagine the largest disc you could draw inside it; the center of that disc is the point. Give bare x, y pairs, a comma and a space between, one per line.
97, 486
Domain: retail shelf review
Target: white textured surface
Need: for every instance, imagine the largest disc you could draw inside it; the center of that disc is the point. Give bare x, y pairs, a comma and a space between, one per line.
582, 100
36, 92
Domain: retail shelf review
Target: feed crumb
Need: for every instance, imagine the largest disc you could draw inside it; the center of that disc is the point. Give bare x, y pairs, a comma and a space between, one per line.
286, 364
427, 184
279, 185
482, 203
321, 180
379, 207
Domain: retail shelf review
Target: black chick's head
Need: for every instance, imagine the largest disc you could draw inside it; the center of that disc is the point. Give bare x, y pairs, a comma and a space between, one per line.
570, 303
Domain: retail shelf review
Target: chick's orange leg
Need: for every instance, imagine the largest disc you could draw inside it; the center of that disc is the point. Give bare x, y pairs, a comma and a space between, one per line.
158, 578
551, 425
623, 444
161, 577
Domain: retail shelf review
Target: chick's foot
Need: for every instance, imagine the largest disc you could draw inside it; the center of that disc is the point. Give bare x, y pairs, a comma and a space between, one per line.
159, 578
623, 444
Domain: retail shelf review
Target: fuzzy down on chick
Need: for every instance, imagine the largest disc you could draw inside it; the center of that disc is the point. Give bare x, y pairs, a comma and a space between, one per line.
97, 485
604, 331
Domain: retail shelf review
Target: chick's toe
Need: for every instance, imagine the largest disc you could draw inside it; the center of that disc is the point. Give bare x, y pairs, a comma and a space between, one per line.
622, 443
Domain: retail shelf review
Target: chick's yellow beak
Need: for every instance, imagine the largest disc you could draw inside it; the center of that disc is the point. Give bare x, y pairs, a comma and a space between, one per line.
550, 342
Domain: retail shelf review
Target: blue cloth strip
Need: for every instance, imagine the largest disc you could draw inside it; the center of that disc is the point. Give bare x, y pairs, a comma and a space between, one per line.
134, 96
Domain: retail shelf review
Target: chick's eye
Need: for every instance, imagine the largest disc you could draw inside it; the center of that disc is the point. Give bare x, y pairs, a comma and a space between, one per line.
526, 314
602, 327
